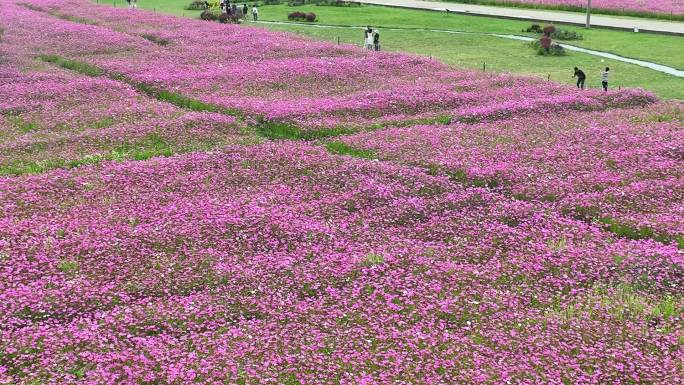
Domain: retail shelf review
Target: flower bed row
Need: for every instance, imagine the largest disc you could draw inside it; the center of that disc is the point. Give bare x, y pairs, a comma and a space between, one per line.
622, 167
316, 86
318, 269
53, 118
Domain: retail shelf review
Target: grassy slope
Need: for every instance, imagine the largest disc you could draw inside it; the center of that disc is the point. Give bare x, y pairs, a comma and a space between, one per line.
507, 56
471, 51
661, 49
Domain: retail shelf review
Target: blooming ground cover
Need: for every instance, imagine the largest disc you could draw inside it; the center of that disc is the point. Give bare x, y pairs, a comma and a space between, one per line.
187, 248
314, 86
54, 118
624, 165
319, 269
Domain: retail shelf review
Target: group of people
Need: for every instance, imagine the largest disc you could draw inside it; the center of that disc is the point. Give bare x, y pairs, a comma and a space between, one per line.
235, 10
371, 39
582, 77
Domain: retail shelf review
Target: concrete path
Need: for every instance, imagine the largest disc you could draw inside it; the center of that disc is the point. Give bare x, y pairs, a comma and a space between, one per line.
577, 18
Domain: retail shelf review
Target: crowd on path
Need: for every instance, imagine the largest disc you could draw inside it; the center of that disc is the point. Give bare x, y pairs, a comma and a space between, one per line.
371, 39
233, 9
582, 77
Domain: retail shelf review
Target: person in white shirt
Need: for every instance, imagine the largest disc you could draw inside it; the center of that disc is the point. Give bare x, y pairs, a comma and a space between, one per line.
369, 39
255, 13
604, 79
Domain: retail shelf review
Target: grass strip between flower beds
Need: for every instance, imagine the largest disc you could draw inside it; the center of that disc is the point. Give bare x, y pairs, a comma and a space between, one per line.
275, 129
270, 129
626, 230
162, 95
149, 147
341, 148
73, 65
155, 39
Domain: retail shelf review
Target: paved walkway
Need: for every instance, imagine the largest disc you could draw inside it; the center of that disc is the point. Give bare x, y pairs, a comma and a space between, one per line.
643, 24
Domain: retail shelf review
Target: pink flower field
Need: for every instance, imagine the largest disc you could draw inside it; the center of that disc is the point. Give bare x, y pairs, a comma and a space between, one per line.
179, 209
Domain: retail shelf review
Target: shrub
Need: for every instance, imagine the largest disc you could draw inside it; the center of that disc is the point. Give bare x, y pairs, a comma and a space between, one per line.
301, 16
225, 18
196, 5
551, 49
338, 3
564, 34
296, 16
273, 2
535, 28
548, 30
208, 15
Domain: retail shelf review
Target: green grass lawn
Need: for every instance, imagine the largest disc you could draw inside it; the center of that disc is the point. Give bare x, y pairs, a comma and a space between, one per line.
660, 49
502, 55
472, 51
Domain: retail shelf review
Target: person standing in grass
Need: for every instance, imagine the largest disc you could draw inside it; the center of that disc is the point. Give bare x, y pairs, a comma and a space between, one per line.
369, 39
581, 77
604, 79
255, 13
376, 41
244, 10
368, 32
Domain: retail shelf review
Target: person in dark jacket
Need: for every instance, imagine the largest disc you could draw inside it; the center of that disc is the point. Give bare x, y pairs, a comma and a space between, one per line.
244, 10
376, 41
581, 77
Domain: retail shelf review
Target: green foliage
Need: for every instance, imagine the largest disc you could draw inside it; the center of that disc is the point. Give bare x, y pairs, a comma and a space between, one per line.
627, 230
373, 260
279, 130
462, 177
290, 379
565, 34
22, 125
155, 39
80, 67
74, 19
32, 7
341, 148
153, 145
553, 50
105, 122
197, 5
67, 266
